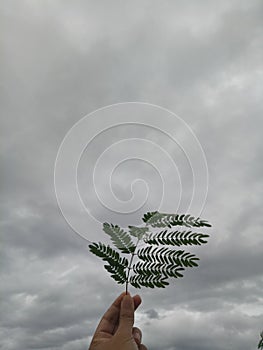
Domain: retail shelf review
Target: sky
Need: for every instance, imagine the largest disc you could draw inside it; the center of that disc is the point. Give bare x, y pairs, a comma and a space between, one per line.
150, 103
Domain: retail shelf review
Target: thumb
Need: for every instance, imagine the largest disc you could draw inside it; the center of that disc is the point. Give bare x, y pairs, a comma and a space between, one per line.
126, 315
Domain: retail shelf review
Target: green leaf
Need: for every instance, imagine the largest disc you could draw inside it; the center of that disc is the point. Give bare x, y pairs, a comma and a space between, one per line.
120, 238
150, 281
169, 220
152, 268
138, 232
117, 273
168, 256
116, 264
156, 261
177, 238
260, 344
148, 215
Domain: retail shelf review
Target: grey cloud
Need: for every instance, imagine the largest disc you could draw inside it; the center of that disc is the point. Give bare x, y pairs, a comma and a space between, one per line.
62, 60
152, 314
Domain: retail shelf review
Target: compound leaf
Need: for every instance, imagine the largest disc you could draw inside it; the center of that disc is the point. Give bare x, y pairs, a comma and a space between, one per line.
117, 273
148, 215
177, 238
167, 256
156, 262
116, 264
150, 281
151, 268
156, 219
138, 232
120, 238
260, 344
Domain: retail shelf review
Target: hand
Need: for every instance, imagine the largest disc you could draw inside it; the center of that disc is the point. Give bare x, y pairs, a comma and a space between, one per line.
115, 330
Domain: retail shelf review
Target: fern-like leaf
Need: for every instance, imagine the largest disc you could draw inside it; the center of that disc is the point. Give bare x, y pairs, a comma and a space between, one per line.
157, 219
177, 238
150, 281
117, 273
120, 238
152, 268
155, 262
117, 264
147, 216
168, 256
138, 232
260, 344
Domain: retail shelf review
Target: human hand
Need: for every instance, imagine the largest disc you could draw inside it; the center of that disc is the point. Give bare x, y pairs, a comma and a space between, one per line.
115, 330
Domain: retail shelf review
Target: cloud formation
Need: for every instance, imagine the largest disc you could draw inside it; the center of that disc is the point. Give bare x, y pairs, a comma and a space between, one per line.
62, 60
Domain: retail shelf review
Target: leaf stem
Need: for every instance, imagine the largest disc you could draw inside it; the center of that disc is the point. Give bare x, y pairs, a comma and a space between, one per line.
129, 267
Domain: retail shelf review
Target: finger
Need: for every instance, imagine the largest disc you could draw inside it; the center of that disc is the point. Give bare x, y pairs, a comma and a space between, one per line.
137, 301
111, 317
137, 335
126, 316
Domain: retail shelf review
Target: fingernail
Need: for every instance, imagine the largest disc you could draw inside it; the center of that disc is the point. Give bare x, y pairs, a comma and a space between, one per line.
126, 300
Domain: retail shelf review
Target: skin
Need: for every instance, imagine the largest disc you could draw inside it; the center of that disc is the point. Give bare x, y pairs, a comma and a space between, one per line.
115, 330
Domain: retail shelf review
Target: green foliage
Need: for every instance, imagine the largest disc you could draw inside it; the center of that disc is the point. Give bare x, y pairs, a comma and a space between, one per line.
150, 281
156, 219
167, 256
176, 238
119, 237
138, 232
152, 268
260, 344
117, 264
156, 261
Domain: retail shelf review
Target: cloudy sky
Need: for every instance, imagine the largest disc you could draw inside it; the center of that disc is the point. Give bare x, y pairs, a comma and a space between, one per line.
61, 61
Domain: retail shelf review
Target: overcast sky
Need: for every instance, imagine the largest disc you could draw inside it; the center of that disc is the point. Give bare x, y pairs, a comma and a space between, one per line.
60, 61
